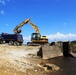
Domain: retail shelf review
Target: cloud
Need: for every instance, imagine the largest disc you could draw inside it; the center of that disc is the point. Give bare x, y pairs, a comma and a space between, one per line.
7, 24
3, 2
27, 39
2, 12
56, 37
65, 23
61, 37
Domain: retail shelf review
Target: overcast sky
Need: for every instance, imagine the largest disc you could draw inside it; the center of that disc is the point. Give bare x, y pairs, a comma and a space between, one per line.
54, 18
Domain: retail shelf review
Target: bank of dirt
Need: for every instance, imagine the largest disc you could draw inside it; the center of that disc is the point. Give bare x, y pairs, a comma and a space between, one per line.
23, 60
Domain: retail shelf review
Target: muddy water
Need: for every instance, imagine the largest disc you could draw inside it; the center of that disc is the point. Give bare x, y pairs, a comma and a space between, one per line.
67, 65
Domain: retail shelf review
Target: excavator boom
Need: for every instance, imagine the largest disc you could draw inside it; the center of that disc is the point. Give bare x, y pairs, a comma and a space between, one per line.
17, 29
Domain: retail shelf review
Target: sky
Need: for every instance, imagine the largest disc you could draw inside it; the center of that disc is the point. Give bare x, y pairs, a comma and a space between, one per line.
55, 18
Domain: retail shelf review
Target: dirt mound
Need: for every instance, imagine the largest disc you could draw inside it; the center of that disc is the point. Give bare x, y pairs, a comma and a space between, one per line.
21, 60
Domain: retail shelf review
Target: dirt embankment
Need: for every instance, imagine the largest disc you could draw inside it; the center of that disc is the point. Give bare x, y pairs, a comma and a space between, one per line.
23, 60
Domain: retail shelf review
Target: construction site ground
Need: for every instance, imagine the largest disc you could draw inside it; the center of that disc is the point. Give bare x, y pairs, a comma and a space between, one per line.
23, 60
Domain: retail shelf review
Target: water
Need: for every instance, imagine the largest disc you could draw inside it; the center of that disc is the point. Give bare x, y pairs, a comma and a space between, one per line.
67, 65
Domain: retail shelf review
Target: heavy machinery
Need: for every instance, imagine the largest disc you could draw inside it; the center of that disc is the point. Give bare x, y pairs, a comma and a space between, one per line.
11, 39
36, 38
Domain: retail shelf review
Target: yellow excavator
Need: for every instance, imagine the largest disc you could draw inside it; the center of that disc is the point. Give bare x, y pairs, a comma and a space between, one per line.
36, 38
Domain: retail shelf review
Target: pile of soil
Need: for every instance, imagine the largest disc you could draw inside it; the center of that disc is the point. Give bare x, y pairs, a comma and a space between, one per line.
23, 60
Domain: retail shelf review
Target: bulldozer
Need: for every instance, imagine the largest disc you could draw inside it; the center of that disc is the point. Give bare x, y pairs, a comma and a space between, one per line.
36, 37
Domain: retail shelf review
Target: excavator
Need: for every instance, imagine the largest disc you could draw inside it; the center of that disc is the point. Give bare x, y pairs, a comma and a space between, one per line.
36, 37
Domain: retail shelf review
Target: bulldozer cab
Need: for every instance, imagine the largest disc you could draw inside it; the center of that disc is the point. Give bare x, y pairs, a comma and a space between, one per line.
35, 36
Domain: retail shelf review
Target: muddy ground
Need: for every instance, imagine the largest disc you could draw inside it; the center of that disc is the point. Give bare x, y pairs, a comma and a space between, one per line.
23, 60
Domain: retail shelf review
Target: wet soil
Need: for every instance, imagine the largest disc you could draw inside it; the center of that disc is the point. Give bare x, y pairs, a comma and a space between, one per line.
67, 65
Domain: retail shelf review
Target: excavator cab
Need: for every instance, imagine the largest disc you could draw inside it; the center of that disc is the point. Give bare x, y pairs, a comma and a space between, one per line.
35, 36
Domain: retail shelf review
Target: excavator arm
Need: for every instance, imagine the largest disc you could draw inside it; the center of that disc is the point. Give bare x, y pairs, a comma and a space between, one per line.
17, 29
34, 26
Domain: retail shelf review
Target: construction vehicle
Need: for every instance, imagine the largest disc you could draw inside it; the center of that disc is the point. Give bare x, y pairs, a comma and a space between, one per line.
36, 38
11, 39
